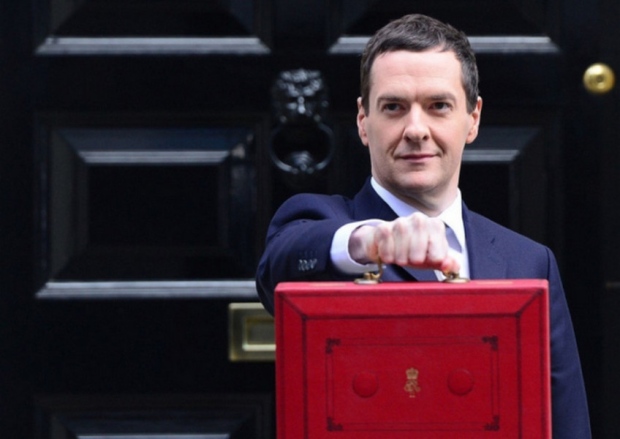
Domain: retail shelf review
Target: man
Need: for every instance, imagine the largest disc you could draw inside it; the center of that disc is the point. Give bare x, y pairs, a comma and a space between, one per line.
419, 107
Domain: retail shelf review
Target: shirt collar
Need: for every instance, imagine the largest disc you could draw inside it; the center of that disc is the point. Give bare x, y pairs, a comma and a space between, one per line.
452, 216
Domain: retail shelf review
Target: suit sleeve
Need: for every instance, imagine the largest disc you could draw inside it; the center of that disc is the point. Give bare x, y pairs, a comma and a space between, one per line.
570, 417
298, 243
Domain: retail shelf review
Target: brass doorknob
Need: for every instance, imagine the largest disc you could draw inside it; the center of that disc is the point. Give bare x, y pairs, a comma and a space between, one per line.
599, 78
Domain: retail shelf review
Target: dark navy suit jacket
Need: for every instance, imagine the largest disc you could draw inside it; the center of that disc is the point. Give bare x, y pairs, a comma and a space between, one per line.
298, 248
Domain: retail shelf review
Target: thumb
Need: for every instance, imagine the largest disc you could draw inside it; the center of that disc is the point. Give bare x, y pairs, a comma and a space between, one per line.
450, 267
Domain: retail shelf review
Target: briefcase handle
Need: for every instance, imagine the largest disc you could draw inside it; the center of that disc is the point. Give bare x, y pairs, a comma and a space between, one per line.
370, 278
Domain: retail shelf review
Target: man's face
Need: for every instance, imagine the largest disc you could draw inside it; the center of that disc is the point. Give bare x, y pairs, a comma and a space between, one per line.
417, 126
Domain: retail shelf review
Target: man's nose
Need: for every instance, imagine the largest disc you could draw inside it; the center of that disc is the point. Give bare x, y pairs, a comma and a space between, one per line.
416, 128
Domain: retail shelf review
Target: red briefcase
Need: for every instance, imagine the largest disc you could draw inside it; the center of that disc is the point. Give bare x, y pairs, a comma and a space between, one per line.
413, 360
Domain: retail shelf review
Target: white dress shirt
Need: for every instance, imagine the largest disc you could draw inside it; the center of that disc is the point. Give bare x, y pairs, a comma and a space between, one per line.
452, 217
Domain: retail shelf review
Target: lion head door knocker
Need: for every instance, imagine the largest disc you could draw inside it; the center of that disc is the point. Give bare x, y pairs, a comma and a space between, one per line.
301, 144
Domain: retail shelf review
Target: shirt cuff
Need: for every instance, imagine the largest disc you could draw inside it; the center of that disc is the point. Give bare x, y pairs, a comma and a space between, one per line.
340, 249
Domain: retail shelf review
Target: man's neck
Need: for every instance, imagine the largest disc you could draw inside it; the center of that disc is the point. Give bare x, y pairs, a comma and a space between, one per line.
402, 204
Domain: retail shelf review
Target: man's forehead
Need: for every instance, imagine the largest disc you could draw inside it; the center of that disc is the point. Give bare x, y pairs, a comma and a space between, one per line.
436, 64
437, 53
409, 63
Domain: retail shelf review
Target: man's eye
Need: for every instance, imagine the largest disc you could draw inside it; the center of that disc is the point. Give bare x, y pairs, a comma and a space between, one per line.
391, 107
441, 106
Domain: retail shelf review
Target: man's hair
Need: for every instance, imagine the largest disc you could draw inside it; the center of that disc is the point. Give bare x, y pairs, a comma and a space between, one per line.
419, 33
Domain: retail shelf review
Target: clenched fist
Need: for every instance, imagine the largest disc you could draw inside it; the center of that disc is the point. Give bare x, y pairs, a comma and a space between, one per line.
416, 241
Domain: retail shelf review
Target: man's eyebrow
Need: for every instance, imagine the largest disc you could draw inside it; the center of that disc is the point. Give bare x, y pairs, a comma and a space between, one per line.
390, 97
447, 96
443, 96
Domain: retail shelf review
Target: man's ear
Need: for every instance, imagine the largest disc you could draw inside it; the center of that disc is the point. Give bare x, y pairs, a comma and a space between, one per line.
475, 115
361, 122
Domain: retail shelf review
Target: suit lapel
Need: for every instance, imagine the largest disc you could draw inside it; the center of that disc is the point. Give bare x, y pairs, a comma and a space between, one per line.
368, 204
485, 261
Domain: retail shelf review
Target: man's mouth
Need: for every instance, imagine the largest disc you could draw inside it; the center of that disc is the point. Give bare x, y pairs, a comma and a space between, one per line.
417, 157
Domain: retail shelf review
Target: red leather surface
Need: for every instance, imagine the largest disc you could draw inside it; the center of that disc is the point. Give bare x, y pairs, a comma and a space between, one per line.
413, 360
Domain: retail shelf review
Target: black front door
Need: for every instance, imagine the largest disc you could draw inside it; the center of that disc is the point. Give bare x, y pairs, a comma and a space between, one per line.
145, 146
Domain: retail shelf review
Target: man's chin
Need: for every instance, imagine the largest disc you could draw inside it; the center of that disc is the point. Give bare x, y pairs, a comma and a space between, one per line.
417, 187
